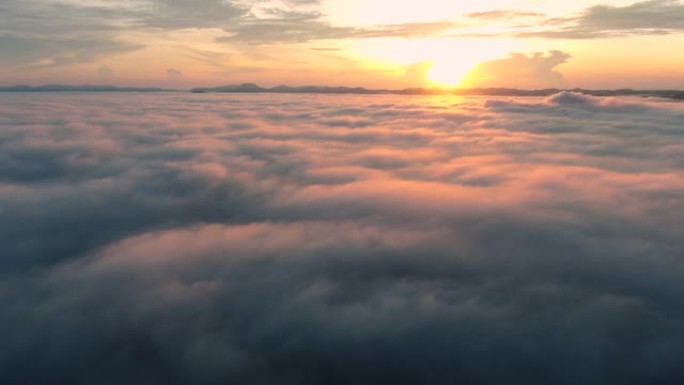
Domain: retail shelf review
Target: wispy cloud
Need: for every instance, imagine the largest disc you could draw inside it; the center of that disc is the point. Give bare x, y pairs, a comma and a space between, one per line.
503, 15
651, 17
22, 53
284, 30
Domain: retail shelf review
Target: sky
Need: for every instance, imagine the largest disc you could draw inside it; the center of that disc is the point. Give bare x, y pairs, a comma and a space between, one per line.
371, 43
255, 239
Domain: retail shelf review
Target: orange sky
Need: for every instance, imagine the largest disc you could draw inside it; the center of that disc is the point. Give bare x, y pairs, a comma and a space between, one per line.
379, 43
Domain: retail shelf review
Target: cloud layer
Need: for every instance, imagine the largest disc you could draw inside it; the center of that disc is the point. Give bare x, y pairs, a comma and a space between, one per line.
279, 239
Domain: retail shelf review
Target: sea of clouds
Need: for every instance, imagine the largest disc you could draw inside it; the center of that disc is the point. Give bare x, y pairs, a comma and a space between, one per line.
325, 239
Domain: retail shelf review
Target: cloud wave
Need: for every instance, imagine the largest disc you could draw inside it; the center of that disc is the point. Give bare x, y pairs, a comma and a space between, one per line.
178, 238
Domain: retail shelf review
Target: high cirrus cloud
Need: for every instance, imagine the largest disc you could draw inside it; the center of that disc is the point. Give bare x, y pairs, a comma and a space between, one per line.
601, 21
261, 239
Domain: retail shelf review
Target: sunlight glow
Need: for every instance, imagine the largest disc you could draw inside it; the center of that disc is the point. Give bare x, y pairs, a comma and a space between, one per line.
451, 58
447, 73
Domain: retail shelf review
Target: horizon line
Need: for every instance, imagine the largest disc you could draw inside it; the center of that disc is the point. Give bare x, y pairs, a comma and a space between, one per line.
254, 88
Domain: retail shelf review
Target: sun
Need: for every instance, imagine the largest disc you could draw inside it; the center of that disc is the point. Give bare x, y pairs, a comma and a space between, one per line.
448, 73
449, 62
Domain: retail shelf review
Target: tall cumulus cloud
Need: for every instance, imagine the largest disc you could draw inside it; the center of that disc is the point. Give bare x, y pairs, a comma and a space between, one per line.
519, 70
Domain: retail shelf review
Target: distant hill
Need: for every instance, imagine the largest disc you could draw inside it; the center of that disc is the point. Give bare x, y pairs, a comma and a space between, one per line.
253, 88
